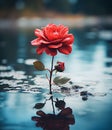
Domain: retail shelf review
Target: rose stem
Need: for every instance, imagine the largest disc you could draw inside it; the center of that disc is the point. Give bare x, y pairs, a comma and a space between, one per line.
50, 84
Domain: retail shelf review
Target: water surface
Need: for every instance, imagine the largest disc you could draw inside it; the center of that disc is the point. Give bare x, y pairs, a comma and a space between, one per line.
89, 66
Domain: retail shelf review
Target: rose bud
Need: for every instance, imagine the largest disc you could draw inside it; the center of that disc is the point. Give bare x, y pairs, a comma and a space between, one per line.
60, 67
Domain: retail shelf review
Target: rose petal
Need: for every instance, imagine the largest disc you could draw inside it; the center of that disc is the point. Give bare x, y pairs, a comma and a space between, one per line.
44, 42
40, 49
34, 42
51, 52
65, 49
55, 45
39, 41
51, 42
63, 30
51, 32
39, 33
52, 35
55, 41
51, 25
69, 39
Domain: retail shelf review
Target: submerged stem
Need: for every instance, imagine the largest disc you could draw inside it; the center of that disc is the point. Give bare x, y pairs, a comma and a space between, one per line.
52, 105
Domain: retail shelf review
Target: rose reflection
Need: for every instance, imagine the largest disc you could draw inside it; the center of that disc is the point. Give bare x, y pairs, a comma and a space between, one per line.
61, 121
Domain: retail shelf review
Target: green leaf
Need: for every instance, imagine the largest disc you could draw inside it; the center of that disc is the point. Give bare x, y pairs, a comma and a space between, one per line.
60, 80
39, 105
39, 65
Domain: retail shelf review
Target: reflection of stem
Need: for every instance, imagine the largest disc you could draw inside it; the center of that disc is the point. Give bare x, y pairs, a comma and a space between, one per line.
52, 105
50, 84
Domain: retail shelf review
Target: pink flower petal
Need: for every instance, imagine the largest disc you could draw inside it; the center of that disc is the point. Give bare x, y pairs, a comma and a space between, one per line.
55, 45
39, 33
40, 50
69, 39
63, 30
51, 52
51, 32
35, 42
39, 41
65, 49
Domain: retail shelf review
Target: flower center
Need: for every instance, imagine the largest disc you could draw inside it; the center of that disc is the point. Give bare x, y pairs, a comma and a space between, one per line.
55, 33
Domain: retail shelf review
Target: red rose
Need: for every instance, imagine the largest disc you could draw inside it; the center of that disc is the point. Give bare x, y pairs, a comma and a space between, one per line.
60, 66
53, 38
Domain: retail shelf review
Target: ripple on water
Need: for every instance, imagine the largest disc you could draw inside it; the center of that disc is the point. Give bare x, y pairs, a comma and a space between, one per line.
5, 68
17, 81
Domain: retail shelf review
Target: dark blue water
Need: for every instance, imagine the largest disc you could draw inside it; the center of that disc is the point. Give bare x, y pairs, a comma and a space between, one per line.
89, 66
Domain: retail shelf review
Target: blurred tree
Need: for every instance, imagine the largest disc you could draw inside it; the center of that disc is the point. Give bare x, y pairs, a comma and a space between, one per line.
90, 7
96, 7
59, 5
33, 5
36, 5
7, 4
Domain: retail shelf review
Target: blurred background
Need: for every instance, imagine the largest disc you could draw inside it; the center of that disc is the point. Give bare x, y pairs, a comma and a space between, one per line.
26, 13
27, 8
89, 65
